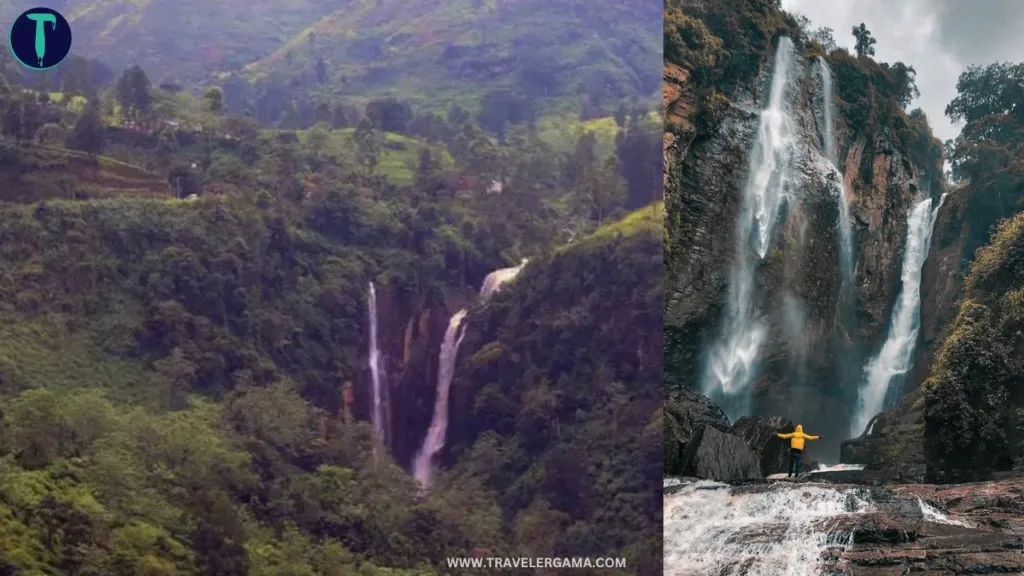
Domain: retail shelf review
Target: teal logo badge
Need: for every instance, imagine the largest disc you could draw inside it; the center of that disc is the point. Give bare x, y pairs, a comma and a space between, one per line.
40, 38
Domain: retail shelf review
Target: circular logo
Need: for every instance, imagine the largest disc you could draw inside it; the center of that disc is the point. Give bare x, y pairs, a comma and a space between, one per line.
40, 38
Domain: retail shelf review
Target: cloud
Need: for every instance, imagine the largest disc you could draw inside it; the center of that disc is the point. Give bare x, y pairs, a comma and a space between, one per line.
939, 38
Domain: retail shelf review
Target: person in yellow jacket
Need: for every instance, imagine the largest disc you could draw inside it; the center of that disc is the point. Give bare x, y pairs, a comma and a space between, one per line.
796, 448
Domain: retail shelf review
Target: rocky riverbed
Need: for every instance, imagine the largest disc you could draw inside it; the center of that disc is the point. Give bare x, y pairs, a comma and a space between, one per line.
807, 528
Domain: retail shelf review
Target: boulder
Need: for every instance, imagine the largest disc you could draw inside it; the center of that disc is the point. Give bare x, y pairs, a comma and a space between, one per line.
714, 454
858, 450
685, 411
760, 433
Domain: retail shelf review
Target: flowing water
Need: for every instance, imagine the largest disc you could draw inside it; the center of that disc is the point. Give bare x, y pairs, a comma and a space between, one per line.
434, 442
376, 371
423, 463
494, 281
711, 529
731, 359
895, 358
830, 146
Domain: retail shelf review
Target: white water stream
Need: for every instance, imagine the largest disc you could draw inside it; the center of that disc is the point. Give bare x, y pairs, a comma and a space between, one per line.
896, 357
710, 530
731, 359
423, 463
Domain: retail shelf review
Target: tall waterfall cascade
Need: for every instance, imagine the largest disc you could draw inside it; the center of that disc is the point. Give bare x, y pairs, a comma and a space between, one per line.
731, 359
377, 373
895, 358
423, 463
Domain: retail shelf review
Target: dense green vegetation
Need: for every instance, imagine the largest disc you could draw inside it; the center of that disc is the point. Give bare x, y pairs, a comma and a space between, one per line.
574, 445
974, 424
183, 295
988, 150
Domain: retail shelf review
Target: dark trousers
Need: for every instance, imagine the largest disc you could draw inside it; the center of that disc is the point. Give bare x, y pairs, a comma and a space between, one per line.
795, 456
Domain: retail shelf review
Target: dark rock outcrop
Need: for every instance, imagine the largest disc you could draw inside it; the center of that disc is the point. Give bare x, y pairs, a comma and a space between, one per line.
980, 536
798, 280
717, 455
761, 434
895, 445
685, 412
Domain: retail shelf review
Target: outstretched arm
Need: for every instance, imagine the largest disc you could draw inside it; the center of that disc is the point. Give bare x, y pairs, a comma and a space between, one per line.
785, 436
809, 437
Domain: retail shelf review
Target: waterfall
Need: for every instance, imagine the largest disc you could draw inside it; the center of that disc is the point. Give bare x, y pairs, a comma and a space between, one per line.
423, 463
711, 529
376, 372
830, 147
731, 359
434, 442
494, 281
829, 144
895, 358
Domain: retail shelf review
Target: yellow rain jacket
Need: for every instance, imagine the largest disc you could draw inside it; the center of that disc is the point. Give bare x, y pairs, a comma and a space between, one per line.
796, 438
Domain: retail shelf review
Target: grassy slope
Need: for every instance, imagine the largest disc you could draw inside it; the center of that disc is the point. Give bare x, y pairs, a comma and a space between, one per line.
186, 40
451, 51
380, 46
33, 173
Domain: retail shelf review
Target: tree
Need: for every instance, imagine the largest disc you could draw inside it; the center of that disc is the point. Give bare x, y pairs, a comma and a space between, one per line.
76, 78
321, 70
31, 118
389, 115
500, 108
166, 147
318, 137
369, 144
12, 120
50, 135
214, 98
989, 148
621, 115
132, 91
825, 37
323, 114
428, 171
339, 117
87, 135
865, 45
904, 82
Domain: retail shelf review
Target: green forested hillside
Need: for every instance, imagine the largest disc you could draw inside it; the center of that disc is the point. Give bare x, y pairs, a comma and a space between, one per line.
973, 415
169, 381
183, 300
438, 52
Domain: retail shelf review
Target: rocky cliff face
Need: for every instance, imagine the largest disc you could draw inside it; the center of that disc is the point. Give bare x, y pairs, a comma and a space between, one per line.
798, 282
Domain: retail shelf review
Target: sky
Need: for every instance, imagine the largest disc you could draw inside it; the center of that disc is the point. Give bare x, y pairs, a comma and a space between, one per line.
939, 38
